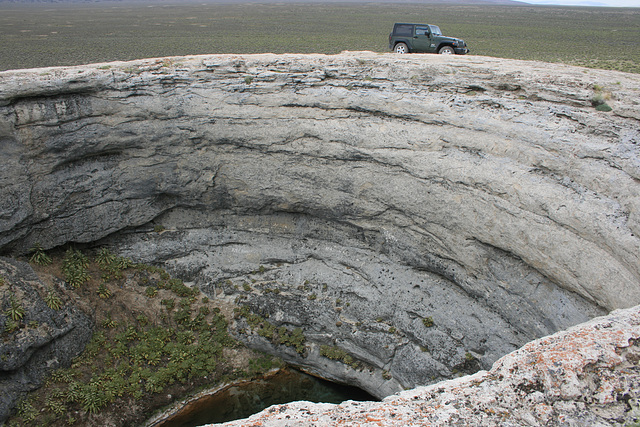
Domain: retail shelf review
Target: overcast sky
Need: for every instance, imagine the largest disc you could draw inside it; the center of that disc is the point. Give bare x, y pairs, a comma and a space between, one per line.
616, 3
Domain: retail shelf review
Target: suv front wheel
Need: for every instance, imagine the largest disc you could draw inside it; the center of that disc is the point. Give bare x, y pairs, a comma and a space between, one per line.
446, 50
401, 48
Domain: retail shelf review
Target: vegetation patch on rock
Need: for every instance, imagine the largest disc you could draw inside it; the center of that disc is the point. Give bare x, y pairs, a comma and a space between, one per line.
277, 335
145, 352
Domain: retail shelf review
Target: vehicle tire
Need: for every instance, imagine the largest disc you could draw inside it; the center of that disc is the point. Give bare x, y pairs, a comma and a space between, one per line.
446, 50
401, 48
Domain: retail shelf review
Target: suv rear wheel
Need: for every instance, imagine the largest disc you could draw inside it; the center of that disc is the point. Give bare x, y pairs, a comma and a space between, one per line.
446, 50
401, 48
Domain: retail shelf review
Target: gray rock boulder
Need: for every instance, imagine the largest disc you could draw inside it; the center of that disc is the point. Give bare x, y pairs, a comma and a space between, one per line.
485, 195
43, 339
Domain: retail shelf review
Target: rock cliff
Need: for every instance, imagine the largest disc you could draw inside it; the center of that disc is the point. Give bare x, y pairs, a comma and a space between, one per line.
585, 376
418, 217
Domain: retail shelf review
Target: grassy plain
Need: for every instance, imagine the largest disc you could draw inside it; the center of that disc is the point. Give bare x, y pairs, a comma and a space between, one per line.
70, 34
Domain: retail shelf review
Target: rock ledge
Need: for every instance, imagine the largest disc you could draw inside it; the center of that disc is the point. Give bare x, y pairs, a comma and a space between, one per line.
585, 376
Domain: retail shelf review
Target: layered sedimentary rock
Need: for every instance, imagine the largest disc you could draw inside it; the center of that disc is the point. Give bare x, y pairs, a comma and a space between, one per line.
586, 376
418, 217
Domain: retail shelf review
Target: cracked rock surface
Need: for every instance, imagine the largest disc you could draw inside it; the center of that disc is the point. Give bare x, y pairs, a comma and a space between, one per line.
44, 339
585, 376
424, 215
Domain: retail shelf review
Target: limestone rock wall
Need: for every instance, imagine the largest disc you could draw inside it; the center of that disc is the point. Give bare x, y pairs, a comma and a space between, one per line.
586, 376
352, 195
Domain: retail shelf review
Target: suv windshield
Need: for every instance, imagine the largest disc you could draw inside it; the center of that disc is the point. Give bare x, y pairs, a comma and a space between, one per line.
435, 30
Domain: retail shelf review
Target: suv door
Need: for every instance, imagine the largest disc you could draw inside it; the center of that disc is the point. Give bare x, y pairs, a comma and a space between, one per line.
422, 39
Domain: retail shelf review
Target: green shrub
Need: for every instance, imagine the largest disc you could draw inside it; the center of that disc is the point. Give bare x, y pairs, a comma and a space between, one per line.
75, 268
15, 311
74, 391
109, 323
39, 256
599, 100
182, 316
169, 303
26, 410
103, 291
604, 107
52, 300
267, 330
123, 263
105, 258
93, 397
338, 354
11, 325
295, 338
55, 406
178, 287
62, 375
112, 265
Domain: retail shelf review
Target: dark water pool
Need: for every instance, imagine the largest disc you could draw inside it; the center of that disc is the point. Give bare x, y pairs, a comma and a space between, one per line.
245, 399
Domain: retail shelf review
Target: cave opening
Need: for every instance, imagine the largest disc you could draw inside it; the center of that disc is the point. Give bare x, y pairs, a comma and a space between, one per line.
242, 400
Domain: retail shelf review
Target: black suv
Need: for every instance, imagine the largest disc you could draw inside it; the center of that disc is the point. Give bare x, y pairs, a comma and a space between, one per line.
424, 38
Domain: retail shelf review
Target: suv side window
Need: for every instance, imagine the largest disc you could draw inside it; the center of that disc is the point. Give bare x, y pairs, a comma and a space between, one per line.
404, 30
422, 31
